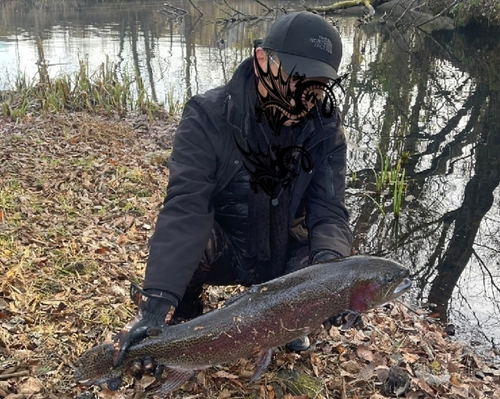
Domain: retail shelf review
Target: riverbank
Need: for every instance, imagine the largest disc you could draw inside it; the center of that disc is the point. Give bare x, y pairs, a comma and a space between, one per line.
79, 196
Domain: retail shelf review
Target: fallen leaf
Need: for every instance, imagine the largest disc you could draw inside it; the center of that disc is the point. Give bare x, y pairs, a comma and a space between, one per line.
365, 353
455, 379
351, 366
316, 364
225, 374
367, 372
410, 357
101, 250
31, 386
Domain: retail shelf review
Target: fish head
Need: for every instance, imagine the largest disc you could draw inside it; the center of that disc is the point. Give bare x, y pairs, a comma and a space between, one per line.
377, 281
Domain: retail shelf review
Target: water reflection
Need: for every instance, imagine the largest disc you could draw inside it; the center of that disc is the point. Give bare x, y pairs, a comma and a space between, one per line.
433, 98
438, 101
175, 57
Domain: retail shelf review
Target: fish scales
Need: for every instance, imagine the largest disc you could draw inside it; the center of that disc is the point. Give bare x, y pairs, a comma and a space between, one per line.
263, 317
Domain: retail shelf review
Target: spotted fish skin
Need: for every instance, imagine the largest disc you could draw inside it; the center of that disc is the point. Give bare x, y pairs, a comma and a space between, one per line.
262, 318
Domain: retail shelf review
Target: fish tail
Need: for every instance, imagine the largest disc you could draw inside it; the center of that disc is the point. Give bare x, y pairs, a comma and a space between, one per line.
95, 366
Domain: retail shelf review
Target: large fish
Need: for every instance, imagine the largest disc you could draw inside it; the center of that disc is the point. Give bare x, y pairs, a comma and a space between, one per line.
252, 324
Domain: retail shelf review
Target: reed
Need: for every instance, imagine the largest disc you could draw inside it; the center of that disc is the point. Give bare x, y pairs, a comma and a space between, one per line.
172, 105
390, 180
398, 182
382, 177
101, 91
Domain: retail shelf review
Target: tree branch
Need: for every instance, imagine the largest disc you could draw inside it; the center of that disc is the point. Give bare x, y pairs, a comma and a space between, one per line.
342, 5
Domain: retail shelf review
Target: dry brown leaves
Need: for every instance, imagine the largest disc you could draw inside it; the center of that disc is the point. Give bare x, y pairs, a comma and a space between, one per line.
79, 196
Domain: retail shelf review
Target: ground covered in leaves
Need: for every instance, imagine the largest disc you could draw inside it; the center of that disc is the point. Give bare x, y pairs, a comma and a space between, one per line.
79, 195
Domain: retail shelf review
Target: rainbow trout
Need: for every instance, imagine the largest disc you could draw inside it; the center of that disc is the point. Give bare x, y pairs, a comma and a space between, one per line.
253, 323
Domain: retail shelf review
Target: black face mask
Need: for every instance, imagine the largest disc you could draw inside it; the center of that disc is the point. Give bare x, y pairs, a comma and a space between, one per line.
281, 104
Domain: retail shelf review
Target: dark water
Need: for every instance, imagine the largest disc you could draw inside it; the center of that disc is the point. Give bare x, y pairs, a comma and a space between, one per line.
431, 100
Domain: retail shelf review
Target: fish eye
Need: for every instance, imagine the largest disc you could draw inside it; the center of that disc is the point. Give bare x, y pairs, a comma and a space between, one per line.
389, 278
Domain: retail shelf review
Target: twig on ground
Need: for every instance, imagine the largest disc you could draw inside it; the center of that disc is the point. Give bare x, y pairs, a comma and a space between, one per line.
14, 375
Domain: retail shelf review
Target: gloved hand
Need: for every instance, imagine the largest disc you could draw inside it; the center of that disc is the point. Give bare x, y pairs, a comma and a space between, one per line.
323, 255
154, 311
345, 320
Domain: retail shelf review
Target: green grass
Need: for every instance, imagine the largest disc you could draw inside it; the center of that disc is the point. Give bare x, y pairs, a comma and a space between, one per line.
399, 187
391, 179
382, 178
9, 201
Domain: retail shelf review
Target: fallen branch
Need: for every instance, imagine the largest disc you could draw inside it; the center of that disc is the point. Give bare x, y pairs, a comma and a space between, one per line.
236, 12
172, 12
265, 6
196, 7
404, 12
238, 16
342, 5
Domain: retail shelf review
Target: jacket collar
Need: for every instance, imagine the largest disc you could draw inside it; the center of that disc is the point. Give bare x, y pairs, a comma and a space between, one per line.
241, 96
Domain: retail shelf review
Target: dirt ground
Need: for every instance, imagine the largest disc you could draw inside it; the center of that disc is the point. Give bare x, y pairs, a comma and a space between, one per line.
79, 196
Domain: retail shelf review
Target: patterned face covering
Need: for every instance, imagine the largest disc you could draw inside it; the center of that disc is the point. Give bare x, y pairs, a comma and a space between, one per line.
290, 98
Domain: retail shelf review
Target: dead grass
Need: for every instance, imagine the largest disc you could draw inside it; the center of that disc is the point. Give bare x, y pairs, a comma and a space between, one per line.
79, 196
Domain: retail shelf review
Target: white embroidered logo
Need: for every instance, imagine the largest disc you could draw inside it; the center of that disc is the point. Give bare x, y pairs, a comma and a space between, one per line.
322, 43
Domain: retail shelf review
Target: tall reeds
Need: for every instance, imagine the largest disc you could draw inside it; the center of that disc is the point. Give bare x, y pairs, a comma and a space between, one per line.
390, 181
100, 91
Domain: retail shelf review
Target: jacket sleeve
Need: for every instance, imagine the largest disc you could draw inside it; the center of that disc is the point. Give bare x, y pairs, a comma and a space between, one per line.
327, 218
186, 219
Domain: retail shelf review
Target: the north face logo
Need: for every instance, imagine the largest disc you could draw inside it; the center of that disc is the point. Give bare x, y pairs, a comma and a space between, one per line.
322, 43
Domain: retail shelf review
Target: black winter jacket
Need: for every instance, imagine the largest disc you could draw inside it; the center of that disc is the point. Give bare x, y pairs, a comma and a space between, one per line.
205, 159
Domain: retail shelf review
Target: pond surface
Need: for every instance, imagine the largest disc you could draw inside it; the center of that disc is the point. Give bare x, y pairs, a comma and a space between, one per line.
428, 101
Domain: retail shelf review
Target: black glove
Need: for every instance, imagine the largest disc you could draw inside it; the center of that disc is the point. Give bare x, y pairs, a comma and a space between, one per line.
345, 320
154, 310
323, 255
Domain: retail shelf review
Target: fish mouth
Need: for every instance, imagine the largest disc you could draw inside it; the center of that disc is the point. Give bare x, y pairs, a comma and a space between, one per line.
402, 287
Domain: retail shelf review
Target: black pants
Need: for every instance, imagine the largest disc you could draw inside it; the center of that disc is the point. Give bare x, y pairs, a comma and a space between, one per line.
219, 265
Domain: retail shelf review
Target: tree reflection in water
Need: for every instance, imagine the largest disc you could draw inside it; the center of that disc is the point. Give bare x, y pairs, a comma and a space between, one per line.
439, 101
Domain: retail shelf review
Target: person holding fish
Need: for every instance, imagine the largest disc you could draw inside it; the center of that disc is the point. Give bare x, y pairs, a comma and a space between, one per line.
257, 180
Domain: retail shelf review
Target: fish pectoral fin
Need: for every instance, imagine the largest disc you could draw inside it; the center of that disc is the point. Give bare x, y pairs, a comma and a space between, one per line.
175, 378
263, 360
